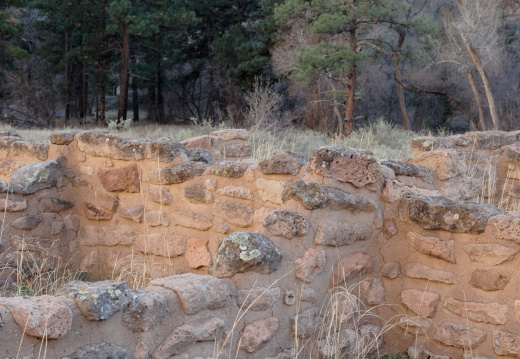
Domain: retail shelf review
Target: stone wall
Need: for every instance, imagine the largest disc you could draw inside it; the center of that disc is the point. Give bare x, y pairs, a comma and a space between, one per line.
276, 238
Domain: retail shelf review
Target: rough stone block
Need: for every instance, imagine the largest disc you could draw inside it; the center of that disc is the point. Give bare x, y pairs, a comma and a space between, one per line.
493, 313
490, 279
191, 220
238, 214
310, 264
197, 253
459, 336
349, 267
421, 302
257, 333
421, 271
333, 233
489, 253
124, 179
286, 224
432, 246
282, 162
257, 299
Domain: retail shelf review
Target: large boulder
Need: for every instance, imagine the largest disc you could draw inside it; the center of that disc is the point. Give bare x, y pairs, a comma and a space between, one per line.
36, 176
282, 162
245, 251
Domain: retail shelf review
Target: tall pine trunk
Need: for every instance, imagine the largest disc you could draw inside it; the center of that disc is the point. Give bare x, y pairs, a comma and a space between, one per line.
399, 77
67, 79
160, 96
135, 100
351, 88
125, 74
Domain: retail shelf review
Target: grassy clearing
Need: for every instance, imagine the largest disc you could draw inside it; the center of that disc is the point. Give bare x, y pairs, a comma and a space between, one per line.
385, 140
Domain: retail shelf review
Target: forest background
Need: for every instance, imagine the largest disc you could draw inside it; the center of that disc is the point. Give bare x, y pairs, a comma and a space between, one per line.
327, 65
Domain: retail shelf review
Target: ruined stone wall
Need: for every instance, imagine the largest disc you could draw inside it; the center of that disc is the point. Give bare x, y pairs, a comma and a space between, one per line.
276, 238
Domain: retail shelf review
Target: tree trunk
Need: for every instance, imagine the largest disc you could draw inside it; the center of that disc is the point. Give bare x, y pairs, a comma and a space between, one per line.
351, 89
84, 94
485, 80
102, 102
135, 100
67, 79
125, 74
481, 125
80, 87
151, 104
160, 96
399, 77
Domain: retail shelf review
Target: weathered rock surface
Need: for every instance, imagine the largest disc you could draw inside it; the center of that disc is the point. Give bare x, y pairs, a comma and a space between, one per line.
205, 141
420, 353
98, 300
124, 179
372, 291
391, 270
421, 302
231, 134
506, 343
334, 233
160, 195
238, 214
286, 224
257, 333
176, 174
51, 204
401, 168
99, 351
145, 311
493, 313
241, 150
313, 196
270, 190
345, 164
231, 169
491, 139
165, 151
245, 251
34, 244
236, 192
257, 299
422, 271
432, 246
164, 245
489, 253
441, 213
415, 324
157, 218
133, 213
305, 323
490, 279
310, 264
459, 336
36, 176
461, 189
197, 292
191, 220
63, 137
39, 150
282, 162
27, 222
507, 226
197, 193
9, 204
41, 317
102, 144
200, 155
445, 164
430, 143
106, 236
349, 267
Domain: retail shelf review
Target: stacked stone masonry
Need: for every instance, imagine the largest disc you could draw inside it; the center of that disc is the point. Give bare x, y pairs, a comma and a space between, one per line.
237, 258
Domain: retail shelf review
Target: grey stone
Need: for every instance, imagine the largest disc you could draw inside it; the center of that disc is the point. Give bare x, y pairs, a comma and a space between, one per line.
36, 176
197, 193
133, 213
241, 150
333, 233
27, 222
198, 292
491, 139
99, 351
231, 169
145, 311
12, 204
441, 213
240, 215
506, 343
305, 323
257, 333
430, 143
165, 151
160, 195
51, 204
183, 337
282, 162
420, 353
245, 251
56, 227
401, 168
391, 270
236, 192
345, 164
102, 144
191, 220
313, 196
199, 155
176, 174
164, 245
257, 299
422, 271
286, 224
156, 219
63, 137
99, 300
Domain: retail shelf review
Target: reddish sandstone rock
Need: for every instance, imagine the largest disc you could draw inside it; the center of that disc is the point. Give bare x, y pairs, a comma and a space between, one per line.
372, 291
235, 213
145, 311
458, 335
202, 142
124, 179
493, 313
133, 213
344, 164
160, 195
432, 246
421, 302
310, 264
10, 204
349, 267
431, 143
506, 343
507, 226
156, 219
231, 134
415, 324
41, 317
164, 245
257, 299
191, 220
197, 253
490, 279
257, 333
489, 253
197, 193
391, 270
445, 163
422, 271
